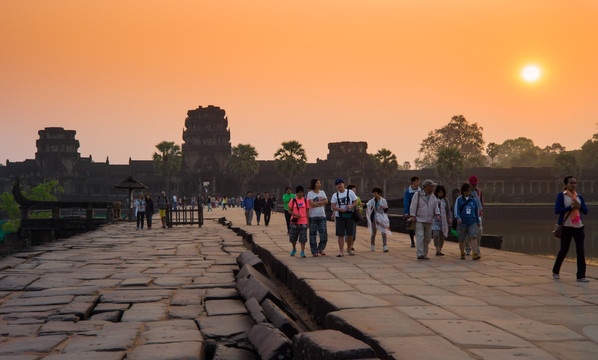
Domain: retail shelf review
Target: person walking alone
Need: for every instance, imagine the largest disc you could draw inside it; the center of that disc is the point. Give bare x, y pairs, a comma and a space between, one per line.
149, 209
162, 205
140, 210
267, 209
569, 206
377, 218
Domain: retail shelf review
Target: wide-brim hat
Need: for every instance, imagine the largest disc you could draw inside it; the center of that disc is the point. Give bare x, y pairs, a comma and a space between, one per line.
428, 182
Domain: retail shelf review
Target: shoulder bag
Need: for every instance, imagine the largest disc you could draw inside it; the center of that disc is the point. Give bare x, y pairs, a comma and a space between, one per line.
412, 220
558, 229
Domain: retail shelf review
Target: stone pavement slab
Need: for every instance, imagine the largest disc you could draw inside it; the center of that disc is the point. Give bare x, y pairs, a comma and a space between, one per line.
170, 351
420, 348
31, 344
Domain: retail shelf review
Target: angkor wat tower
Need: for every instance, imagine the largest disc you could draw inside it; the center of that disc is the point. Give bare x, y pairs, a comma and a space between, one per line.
206, 149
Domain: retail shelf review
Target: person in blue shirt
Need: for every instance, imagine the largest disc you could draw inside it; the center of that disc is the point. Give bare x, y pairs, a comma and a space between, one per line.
468, 221
411, 190
248, 205
570, 206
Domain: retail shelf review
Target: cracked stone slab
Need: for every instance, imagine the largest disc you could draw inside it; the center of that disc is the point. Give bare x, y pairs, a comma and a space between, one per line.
188, 297
89, 355
224, 326
185, 312
146, 312
112, 337
172, 351
17, 282
42, 344
517, 353
475, 333
379, 322
225, 307
578, 350
140, 281
420, 348
536, 331
135, 296
47, 300
171, 331
18, 330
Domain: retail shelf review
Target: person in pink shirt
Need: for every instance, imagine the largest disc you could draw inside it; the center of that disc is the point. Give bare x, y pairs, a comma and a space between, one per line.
298, 208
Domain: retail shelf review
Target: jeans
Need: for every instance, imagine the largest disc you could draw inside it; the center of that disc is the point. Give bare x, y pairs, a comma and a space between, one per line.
578, 235
140, 217
267, 217
258, 214
248, 216
149, 219
317, 225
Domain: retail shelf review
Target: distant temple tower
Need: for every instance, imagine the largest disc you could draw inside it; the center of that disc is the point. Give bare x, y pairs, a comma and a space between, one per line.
57, 152
206, 149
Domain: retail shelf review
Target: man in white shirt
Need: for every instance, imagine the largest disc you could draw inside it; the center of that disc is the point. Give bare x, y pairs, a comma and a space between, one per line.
342, 202
423, 207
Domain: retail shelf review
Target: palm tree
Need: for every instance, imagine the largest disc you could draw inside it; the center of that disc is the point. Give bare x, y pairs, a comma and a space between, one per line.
385, 164
167, 163
290, 160
243, 163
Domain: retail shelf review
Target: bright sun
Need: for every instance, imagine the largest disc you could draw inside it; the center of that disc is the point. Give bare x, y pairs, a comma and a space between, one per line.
531, 73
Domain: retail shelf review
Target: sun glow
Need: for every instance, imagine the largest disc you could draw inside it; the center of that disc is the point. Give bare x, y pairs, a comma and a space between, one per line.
531, 73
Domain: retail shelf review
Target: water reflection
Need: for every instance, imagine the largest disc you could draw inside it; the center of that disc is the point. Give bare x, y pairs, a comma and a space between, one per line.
527, 229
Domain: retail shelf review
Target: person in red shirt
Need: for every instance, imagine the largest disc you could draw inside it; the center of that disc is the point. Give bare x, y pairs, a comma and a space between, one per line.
298, 209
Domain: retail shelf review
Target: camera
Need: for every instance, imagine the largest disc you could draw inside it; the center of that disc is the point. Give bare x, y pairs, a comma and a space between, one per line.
294, 220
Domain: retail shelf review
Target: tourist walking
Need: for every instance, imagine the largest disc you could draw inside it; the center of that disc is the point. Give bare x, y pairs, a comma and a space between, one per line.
478, 195
267, 209
174, 201
342, 203
149, 209
140, 210
377, 219
248, 206
209, 201
442, 220
286, 198
298, 208
569, 206
317, 218
422, 210
407, 198
359, 210
258, 205
162, 205
468, 221
224, 201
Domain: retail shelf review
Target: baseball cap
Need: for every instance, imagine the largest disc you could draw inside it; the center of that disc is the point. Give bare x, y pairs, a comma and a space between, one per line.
338, 181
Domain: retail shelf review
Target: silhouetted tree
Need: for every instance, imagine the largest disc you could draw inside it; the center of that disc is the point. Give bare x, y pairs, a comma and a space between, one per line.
385, 165
458, 133
290, 160
589, 153
167, 163
565, 164
449, 167
492, 150
243, 164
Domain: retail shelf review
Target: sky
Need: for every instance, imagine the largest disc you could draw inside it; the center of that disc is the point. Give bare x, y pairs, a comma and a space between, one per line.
124, 73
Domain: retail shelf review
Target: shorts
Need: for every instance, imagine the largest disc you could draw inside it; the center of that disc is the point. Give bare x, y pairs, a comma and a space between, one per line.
344, 226
469, 231
162, 213
298, 231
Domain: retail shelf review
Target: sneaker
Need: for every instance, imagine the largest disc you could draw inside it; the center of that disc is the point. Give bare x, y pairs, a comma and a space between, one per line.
556, 276
462, 256
385, 248
467, 252
583, 280
339, 255
314, 255
293, 252
423, 258
302, 254
476, 256
373, 248
352, 248
413, 245
321, 253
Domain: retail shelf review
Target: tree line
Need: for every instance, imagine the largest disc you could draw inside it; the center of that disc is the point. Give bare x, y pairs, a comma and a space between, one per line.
448, 150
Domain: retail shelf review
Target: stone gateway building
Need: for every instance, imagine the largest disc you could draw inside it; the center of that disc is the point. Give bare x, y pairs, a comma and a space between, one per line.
206, 149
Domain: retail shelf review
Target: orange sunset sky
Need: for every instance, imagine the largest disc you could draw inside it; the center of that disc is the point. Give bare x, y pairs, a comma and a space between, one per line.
123, 73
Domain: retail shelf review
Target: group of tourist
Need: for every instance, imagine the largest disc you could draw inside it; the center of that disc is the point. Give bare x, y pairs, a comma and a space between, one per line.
258, 205
426, 208
144, 209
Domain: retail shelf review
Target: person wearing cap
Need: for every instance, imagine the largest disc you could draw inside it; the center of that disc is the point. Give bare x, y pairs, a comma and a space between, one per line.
411, 190
468, 221
423, 209
342, 203
477, 195
248, 204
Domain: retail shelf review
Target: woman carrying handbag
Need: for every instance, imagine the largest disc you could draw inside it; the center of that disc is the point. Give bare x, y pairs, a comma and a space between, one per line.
569, 206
